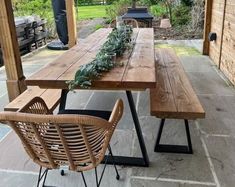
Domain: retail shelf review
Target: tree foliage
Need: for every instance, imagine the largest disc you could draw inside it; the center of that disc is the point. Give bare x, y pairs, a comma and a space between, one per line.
118, 8
187, 2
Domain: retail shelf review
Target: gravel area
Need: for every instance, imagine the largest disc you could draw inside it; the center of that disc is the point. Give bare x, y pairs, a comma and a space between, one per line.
86, 27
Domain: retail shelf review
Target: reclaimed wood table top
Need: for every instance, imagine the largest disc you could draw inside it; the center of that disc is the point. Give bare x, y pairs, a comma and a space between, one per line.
137, 72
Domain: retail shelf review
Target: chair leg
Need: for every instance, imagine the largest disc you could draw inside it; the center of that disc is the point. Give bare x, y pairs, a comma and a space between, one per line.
105, 164
115, 167
62, 172
44, 180
39, 176
186, 149
98, 182
42, 176
83, 178
96, 177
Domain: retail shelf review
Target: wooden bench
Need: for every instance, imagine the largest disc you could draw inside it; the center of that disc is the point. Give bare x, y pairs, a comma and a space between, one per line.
173, 98
50, 96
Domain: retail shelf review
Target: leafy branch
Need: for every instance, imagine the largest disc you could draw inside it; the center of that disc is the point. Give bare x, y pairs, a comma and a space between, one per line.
118, 41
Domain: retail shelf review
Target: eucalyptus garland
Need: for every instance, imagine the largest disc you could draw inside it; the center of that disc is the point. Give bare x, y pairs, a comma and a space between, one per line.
117, 42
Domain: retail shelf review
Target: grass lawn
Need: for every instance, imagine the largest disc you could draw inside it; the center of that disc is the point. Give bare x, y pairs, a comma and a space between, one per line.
96, 11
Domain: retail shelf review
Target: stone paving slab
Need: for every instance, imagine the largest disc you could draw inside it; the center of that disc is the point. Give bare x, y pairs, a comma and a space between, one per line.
197, 64
4, 100
3, 88
219, 115
13, 156
4, 130
173, 166
78, 99
12, 179
74, 179
210, 83
144, 103
222, 154
106, 100
155, 183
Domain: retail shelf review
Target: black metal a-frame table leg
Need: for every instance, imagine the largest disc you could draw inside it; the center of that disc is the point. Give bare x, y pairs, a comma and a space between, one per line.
138, 128
167, 148
133, 161
63, 99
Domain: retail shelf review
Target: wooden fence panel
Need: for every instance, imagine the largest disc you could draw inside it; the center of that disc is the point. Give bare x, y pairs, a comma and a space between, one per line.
227, 63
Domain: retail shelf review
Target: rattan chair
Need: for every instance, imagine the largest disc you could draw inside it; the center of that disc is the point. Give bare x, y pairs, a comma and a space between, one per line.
78, 142
130, 21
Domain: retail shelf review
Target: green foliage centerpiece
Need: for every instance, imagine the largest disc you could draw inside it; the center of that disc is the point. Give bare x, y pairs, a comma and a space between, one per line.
117, 42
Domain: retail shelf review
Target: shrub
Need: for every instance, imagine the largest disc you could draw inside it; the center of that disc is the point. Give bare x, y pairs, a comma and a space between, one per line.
181, 15
158, 10
118, 8
187, 2
197, 14
147, 2
109, 2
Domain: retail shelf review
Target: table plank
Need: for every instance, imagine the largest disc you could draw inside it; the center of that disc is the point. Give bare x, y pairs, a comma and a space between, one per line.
146, 35
55, 69
70, 72
138, 71
113, 78
89, 42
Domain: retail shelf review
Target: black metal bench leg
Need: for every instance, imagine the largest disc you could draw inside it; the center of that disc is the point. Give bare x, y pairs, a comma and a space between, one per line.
167, 148
190, 148
159, 134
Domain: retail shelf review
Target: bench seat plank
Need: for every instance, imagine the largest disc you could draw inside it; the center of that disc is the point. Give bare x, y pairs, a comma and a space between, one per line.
162, 96
50, 96
173, 96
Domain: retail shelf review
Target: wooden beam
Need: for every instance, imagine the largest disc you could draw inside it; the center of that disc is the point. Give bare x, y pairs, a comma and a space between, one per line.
10, 49
222, 33
207, 26
71, 22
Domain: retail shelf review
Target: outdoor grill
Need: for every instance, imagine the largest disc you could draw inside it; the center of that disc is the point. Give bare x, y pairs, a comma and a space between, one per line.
140, 14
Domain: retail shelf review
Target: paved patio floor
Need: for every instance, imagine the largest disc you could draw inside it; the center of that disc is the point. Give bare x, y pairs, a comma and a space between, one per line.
213, 138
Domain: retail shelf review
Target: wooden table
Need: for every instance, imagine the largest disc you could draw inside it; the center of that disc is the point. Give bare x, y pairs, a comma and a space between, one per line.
137, 73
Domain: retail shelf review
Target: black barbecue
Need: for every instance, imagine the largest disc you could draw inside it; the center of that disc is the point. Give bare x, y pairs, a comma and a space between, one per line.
140, 14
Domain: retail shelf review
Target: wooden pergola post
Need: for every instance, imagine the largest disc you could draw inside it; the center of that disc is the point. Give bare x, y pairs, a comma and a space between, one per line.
10, 49
71, 22
207, 26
